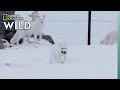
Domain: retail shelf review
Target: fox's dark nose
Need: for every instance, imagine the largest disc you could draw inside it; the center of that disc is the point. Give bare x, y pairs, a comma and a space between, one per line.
10, 46
41, 21
63, 52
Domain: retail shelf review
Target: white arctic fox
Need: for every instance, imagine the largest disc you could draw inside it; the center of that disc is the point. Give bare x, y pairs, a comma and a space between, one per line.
110, 39
58, 53
34, 16
36, 29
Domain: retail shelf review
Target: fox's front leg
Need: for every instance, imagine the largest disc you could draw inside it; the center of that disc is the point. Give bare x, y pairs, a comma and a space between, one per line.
18, 39
35, 38
57, 59
65, 58
40, 37
28, 39
61, 60
51, 60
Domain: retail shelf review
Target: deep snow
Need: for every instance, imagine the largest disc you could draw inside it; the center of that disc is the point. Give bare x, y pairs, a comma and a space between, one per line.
31, 61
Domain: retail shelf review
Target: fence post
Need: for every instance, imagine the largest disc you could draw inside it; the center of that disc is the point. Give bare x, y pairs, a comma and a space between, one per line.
89, 27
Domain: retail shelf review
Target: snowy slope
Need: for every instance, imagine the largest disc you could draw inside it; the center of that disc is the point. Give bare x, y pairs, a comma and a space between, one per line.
31, 61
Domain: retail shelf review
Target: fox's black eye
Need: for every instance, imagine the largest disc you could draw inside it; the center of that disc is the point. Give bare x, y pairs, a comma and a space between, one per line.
4, 41
32, 13
65, 48
62, 48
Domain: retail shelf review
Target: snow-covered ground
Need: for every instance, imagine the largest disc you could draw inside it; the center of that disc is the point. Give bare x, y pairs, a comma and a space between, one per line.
31, 61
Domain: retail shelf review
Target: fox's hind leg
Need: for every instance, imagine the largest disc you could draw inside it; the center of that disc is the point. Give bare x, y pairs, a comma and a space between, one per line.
13, 40
18, 39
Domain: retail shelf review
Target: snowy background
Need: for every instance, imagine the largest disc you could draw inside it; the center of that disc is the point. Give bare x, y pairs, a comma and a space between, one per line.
72, 26
31, 61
